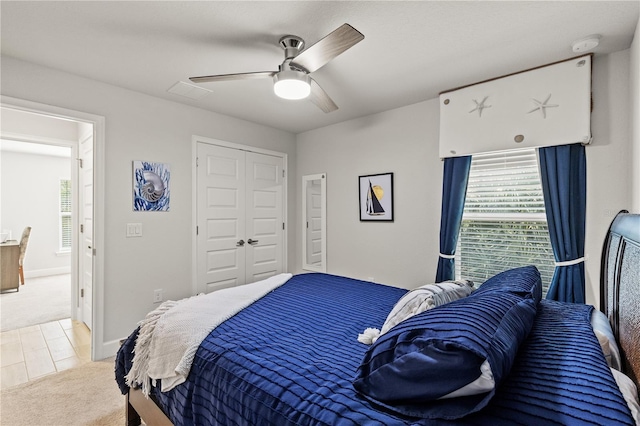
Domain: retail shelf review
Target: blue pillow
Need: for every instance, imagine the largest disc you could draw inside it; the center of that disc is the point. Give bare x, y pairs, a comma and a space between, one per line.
517, 280
446, 362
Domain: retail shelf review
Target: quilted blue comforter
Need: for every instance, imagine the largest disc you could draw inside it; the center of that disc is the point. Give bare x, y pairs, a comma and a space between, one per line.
291, 357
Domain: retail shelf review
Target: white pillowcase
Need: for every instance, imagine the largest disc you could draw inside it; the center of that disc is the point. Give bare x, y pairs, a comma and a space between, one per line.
629, 392
425, 297
604, 345
416, 301
604, 333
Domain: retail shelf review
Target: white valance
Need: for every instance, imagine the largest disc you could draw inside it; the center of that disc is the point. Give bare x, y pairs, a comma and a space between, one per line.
545, 106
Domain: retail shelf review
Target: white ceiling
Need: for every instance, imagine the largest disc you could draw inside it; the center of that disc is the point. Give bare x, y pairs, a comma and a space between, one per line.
411, 51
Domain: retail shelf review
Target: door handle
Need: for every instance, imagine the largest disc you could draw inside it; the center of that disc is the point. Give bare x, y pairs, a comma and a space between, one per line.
240, 243
252, 242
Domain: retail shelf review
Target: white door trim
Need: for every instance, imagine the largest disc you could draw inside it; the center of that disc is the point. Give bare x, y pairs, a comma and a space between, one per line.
195, 139
98, 350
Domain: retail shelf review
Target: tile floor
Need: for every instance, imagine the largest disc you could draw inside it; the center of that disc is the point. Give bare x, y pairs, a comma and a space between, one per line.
32, 352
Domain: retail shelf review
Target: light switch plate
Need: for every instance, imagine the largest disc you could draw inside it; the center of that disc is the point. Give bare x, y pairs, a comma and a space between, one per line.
134, 230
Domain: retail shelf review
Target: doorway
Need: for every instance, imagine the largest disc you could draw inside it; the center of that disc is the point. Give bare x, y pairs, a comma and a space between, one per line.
38, 192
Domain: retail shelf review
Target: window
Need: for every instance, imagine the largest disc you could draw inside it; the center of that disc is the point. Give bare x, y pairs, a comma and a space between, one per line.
65, 215
504, 224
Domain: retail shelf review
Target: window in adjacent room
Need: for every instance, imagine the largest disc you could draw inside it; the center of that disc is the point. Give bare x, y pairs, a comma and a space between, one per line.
504, 224
65, 215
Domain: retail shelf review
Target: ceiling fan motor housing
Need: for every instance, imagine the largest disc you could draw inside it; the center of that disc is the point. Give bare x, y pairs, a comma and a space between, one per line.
292, 46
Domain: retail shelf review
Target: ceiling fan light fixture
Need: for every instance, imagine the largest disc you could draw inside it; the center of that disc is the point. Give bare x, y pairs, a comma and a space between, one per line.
291, 85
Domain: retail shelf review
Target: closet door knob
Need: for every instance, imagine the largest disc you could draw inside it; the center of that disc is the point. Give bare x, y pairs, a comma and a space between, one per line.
252, 242
240, 243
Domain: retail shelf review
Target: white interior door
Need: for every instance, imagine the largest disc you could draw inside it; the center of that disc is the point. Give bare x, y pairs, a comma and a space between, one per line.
86, 236
220, 217
264, 216
239, 217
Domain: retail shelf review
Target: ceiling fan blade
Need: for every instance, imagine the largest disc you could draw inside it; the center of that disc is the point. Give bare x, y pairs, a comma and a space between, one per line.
336, 42
320, 98
229, 77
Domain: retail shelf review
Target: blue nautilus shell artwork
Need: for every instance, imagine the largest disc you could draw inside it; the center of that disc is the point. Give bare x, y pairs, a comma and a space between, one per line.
151, 186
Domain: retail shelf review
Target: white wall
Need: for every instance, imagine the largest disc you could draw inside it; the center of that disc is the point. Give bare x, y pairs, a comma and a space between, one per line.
634, 83
30, 197
405, 141
36, 126
140, 127
609, 162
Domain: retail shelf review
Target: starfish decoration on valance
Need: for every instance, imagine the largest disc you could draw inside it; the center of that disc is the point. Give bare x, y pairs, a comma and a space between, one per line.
480, 106
542, 106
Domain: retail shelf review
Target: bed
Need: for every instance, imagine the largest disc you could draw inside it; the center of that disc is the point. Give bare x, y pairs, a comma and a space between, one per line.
293, 356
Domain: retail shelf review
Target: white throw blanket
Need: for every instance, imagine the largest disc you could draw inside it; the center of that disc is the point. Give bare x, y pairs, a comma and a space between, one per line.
170, 335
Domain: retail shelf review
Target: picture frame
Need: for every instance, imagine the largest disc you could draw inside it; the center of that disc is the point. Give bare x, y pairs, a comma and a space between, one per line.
151, 186
375, 194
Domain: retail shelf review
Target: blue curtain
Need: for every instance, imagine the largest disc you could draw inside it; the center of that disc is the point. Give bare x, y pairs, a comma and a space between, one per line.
563, 171
454, 191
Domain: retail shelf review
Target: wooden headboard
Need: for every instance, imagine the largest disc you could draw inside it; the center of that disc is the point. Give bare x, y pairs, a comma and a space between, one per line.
620, 288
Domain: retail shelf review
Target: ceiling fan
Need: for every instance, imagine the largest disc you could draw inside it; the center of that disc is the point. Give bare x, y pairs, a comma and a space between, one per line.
292, 80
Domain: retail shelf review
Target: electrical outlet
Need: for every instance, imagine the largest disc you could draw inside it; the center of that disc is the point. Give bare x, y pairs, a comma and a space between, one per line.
157, 295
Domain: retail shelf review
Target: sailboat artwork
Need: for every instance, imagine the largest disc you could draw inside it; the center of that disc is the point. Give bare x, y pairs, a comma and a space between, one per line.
376, 197
374, 208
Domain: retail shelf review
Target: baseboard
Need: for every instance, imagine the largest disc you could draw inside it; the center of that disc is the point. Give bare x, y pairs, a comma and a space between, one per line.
46, 272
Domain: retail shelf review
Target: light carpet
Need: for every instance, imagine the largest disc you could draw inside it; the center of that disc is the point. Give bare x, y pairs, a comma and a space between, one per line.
85, 395
40, 300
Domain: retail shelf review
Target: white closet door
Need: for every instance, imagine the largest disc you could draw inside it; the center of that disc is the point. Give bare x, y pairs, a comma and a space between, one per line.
221, 217
264, 215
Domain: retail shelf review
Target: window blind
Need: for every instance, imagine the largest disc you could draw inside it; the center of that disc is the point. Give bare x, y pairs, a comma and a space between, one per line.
66, 232
65, 214
504, 223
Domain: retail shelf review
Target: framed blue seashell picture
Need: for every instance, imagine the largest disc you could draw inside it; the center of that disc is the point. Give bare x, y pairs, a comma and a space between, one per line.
151, 186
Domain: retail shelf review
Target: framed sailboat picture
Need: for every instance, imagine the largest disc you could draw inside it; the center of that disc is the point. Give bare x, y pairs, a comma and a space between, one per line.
376, 197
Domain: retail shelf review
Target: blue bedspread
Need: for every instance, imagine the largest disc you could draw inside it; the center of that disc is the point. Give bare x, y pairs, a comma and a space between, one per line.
291, 357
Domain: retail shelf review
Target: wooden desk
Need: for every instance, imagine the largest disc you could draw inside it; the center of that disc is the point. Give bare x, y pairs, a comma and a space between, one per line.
9, 255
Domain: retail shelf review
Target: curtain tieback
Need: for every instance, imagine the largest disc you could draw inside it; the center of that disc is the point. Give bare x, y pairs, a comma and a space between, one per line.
570, 262
448, 256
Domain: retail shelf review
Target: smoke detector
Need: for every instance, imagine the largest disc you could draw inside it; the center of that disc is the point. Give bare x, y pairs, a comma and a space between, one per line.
586, 44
